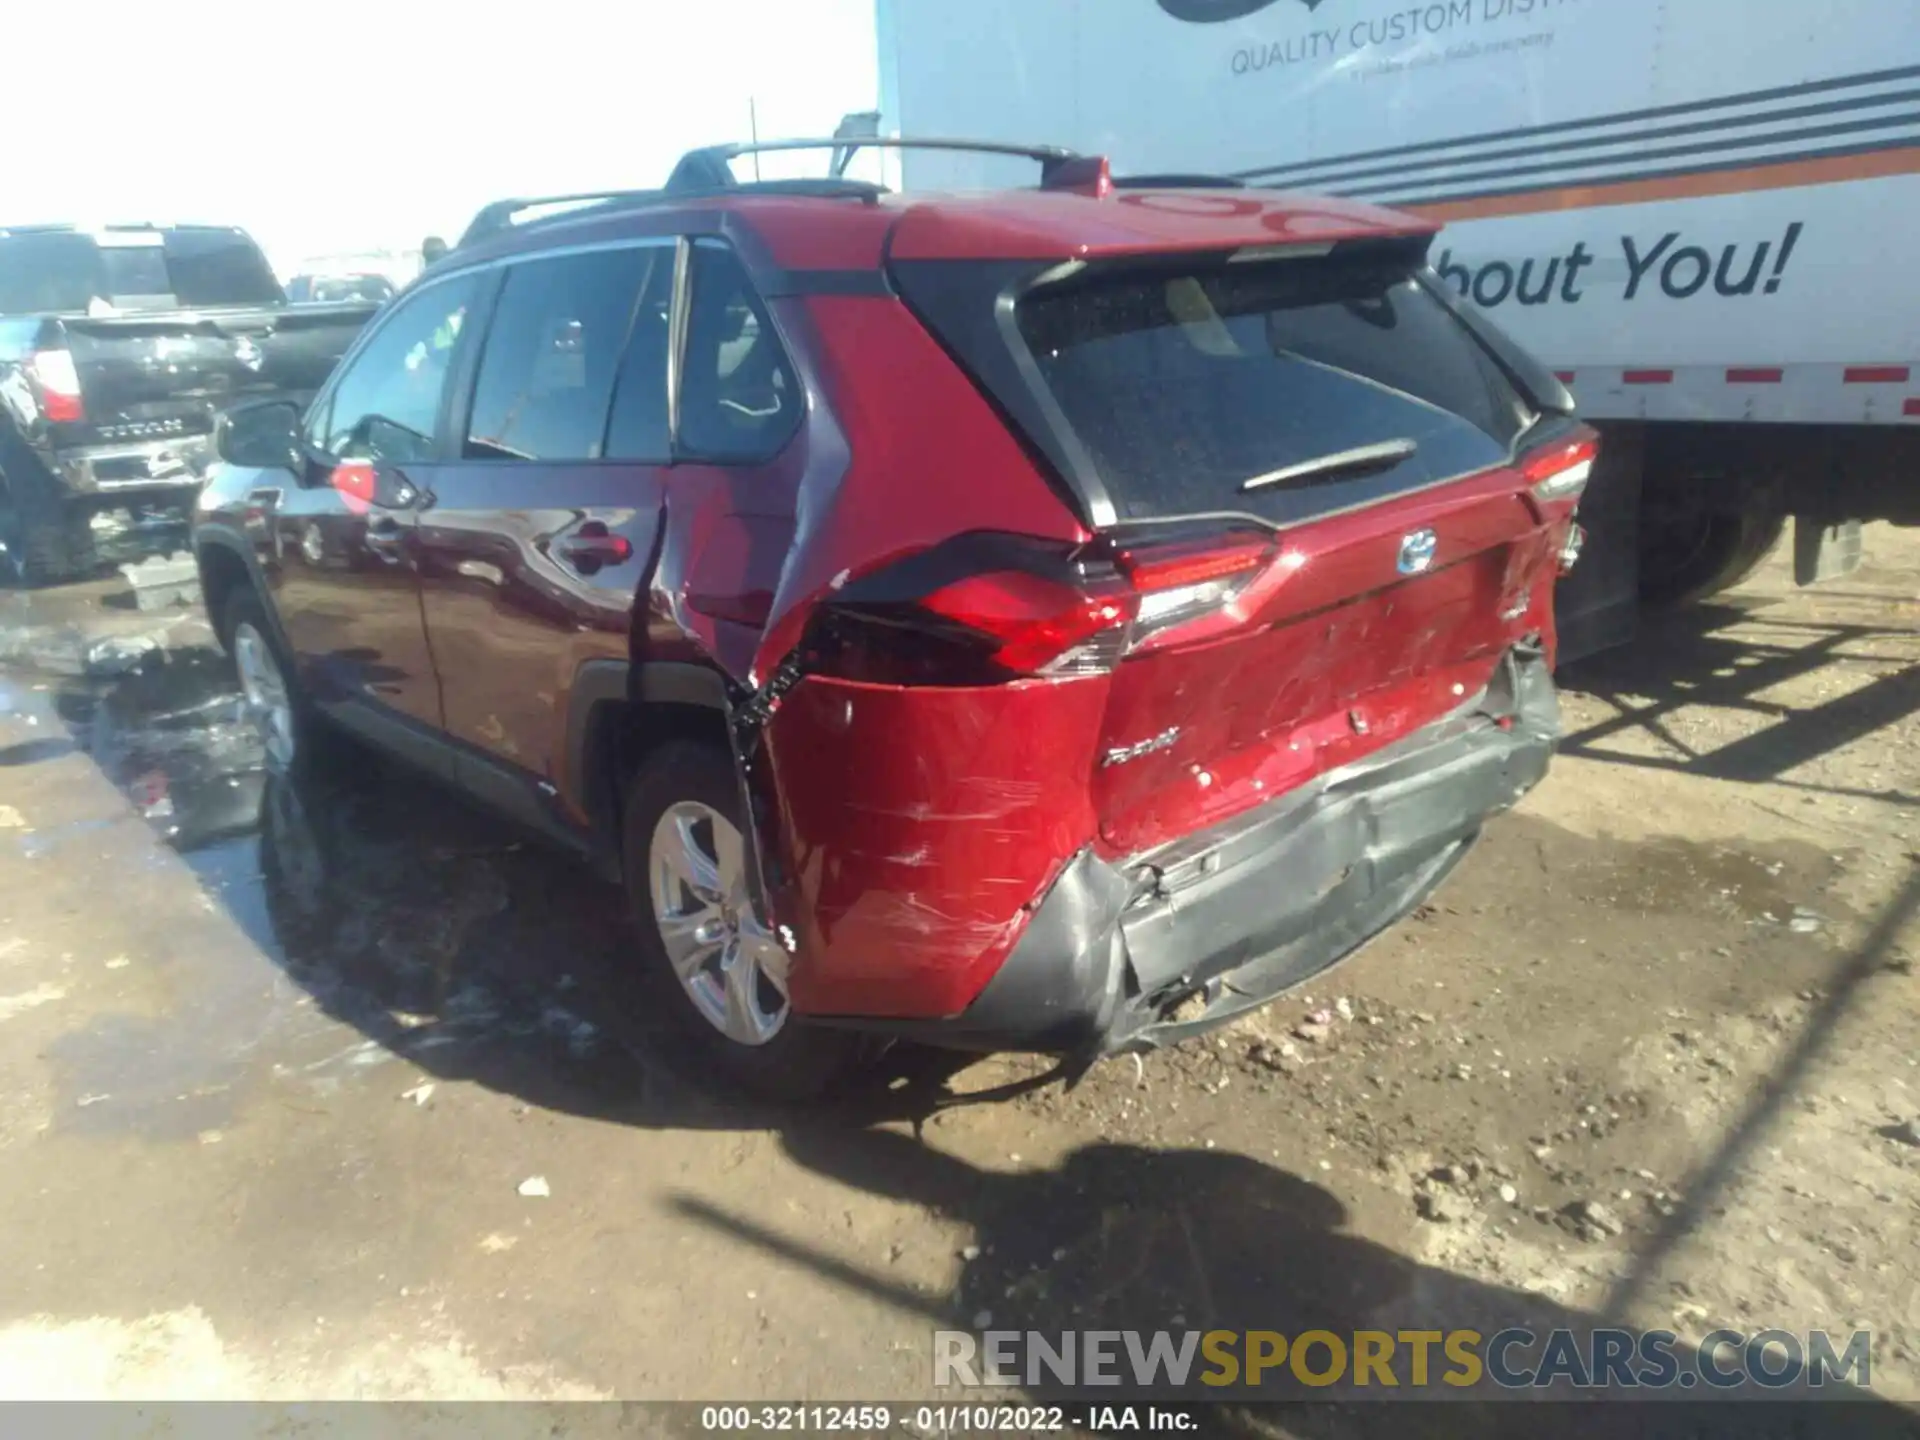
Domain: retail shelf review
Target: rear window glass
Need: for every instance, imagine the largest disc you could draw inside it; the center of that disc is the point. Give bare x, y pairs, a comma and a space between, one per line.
1183, 383
218, 267
68, 271
55, 271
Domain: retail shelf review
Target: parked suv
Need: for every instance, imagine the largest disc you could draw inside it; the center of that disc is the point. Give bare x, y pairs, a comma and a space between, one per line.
1056, 619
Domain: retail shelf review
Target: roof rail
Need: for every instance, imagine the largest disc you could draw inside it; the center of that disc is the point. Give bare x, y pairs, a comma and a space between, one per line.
709, 169
499, 215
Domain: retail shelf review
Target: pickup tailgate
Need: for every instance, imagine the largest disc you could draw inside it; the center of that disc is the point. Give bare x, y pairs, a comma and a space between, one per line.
166, 374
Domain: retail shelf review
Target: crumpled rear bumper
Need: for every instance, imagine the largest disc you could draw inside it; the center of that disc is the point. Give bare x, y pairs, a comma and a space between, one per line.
1226, 919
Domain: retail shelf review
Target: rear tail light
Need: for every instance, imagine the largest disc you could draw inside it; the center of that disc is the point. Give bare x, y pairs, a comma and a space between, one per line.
1181, 580
59, 382
1032, 625
1560, 470
984, 609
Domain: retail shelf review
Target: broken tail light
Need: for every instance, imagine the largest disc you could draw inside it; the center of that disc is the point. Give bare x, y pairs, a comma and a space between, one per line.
1560, 470
985, 609
1033, 625
59, 385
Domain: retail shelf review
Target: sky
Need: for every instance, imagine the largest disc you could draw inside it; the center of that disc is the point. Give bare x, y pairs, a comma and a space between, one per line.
329, 128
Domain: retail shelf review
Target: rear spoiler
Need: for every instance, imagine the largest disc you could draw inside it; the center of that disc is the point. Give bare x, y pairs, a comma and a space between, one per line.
1541, 388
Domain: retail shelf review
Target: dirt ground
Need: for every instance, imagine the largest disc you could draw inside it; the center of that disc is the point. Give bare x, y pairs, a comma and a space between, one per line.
280, 1067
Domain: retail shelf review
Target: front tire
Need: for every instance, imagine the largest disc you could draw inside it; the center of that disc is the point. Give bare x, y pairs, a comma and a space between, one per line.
706, 957
273, 698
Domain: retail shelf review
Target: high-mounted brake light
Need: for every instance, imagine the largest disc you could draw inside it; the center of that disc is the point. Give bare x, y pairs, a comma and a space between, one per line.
1561, 470
53, 371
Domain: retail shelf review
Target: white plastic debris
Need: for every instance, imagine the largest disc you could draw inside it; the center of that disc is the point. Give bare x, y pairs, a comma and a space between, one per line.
162, 581
422, 1093
535, 1187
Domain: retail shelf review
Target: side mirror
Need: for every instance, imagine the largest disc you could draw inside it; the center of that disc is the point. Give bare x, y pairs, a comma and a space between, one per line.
263, 435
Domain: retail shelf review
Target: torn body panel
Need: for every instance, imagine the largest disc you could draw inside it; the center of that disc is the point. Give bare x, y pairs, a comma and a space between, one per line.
888, 387
909, 870
1119, 957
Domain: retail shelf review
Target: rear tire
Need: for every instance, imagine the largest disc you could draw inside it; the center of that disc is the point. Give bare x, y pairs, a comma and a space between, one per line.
1688, 556
705, 958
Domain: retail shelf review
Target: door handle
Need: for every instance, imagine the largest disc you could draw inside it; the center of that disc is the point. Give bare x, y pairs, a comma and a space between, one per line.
592, 546
384, 536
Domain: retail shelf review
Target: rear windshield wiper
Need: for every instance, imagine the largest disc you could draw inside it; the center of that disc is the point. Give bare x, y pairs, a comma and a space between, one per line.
1360, 460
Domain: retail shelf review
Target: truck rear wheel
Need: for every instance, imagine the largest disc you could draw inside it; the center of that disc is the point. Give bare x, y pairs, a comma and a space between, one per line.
1688, 554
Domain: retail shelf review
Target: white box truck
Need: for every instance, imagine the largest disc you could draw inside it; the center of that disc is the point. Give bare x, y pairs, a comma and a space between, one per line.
1703, 213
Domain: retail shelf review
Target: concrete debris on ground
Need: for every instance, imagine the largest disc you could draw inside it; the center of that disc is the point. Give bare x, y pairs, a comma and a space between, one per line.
163, 582
1592, 1221
1444, 1207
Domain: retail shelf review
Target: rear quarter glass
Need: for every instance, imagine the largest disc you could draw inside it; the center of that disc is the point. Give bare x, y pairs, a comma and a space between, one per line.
1175, 381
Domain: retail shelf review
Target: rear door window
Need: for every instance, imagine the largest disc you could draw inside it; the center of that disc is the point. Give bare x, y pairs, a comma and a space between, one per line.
547, 372
639, 428
1183, 382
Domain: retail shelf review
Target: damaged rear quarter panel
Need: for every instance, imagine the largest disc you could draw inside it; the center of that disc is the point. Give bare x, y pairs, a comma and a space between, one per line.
921, 826
928, 458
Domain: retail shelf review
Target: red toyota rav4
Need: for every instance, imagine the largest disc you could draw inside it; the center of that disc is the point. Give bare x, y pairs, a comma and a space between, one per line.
1055, 619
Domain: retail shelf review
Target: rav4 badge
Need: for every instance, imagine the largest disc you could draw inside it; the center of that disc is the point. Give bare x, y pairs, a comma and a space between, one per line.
1417, 551
1120, 754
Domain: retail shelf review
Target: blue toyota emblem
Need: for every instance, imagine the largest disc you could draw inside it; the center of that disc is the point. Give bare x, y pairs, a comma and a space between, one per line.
1417, 552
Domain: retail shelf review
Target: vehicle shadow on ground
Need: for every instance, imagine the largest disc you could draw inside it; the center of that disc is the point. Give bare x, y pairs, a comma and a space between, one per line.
1126, 1238
476, 954
1696, 659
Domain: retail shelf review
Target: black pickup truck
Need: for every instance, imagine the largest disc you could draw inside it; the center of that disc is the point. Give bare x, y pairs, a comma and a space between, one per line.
118, 347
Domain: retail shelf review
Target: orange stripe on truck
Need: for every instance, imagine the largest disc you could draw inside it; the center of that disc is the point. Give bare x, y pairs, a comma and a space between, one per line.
1786, 175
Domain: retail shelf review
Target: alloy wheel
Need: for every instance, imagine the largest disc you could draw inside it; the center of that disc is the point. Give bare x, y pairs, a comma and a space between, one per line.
268, 698
732, 969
